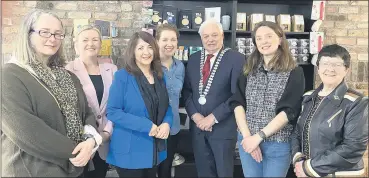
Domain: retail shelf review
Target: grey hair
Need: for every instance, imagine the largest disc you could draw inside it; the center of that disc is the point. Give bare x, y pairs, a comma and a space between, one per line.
24, 52
211, 21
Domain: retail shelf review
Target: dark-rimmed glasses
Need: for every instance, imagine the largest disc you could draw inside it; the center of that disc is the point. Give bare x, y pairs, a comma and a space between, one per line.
47, 34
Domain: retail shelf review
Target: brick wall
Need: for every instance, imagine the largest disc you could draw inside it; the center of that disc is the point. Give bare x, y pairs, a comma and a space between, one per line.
126, 14
346, 23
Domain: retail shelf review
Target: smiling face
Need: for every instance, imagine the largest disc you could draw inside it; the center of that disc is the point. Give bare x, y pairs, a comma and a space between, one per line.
267, 41
212, 38
331, 70
144, 53
46, 46
88, 43
168, 43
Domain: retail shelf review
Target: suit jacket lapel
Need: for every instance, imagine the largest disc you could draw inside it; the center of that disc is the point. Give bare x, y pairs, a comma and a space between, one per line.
106, 77
88, 86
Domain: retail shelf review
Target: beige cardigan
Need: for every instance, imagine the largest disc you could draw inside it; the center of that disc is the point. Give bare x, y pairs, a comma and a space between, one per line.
34, 141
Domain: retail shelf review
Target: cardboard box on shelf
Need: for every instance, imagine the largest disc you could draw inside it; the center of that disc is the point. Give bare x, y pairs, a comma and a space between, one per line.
284, 21
241, 21
298, 23
254, 19
270, 18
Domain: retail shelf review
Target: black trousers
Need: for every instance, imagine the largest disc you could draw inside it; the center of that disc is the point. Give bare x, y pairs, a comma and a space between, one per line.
164, 169
101, 167
214, 157
135, 173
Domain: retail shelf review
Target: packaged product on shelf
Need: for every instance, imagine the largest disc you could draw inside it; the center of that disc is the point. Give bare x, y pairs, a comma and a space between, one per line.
176, 54
249, 49
241, 21
302, 58
249, 42
294, 50
185, 53
180, 53
185, 19
270, 18
198, 15
170, 14
240, 41
303, 50
157, 16
298, 23
254, 19
303, 43
242, 49
295, 57
293, 42
194, 49
284, 21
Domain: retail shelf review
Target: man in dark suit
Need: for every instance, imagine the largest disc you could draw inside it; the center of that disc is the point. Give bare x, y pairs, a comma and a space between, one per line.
210, 80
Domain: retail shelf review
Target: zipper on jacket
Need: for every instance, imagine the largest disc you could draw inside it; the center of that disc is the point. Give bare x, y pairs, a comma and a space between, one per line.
329, 121
308, 134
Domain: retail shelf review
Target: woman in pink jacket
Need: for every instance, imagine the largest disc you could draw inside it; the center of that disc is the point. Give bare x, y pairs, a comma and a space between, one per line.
96, 78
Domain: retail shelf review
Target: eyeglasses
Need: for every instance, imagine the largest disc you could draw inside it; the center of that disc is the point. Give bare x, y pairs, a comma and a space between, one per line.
47, 34
333, 65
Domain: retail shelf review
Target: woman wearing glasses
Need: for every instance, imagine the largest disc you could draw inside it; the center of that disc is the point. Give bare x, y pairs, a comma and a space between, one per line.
48, 130
96, 78
334, 119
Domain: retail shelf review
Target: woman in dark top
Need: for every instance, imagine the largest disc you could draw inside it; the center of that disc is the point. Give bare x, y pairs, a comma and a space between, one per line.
138, 106
267, 103
331, 134
96, 78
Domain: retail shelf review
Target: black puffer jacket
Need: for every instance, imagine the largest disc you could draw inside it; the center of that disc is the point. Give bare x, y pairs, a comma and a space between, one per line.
338, 134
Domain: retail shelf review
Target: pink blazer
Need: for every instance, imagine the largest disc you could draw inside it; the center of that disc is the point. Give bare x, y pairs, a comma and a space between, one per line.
107, 72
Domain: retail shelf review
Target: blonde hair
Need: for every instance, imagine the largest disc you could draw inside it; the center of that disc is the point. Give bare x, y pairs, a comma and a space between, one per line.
85, 28
24, 52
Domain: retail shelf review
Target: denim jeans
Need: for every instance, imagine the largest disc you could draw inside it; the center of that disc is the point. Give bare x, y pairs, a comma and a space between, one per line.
275, 163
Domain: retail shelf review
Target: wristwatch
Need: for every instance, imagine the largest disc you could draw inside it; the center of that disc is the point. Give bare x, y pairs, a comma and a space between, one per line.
262, 135
87, 136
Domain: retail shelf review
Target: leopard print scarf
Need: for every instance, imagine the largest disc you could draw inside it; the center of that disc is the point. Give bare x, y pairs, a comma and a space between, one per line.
61, 85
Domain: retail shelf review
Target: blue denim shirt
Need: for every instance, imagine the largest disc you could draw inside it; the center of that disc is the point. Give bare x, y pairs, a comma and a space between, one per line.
174, 78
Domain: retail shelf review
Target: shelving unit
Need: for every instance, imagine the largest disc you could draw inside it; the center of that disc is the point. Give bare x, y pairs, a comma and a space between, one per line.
190, 37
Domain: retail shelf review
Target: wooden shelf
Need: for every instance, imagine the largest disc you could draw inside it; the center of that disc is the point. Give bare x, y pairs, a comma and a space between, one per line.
287, 33
196, 30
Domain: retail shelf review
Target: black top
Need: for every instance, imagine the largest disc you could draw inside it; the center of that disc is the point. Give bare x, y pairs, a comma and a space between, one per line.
288, 98
99, 86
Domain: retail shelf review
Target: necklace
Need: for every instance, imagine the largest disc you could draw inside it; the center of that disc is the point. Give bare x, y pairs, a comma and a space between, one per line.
202, 92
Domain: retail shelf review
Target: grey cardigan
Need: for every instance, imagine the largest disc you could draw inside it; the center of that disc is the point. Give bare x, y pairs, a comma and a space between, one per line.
34, 141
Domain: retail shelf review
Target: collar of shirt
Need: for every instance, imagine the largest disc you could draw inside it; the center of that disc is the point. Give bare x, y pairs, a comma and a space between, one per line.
174, 64
212, 60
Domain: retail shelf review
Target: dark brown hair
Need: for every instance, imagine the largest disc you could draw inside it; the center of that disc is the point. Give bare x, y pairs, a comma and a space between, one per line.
129, 60
163, 27
282, 60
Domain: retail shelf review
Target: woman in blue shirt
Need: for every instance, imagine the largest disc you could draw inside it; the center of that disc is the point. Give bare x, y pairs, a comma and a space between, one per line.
167, 38
138, 106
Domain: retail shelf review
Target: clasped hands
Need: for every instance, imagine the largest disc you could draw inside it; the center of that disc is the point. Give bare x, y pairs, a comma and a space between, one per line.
84, 150
161, 131
299, 171
204, 123
251, 145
